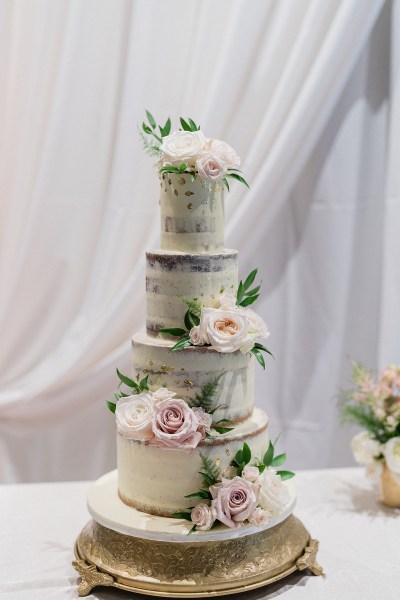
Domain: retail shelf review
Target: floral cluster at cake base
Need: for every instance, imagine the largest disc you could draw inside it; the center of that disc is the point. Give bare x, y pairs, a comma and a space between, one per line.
374, 403
249, 492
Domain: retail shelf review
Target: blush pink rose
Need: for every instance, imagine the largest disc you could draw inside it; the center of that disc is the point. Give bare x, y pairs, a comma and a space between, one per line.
175, 425
235, 500
225, 153
210, 168
205, 420
203, 516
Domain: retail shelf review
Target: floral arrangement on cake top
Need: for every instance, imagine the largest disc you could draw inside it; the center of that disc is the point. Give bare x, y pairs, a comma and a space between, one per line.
189, 151
247, 493
160, 419
228, 327
374, 403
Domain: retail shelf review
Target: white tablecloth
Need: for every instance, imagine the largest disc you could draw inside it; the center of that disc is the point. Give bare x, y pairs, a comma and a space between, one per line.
359, 541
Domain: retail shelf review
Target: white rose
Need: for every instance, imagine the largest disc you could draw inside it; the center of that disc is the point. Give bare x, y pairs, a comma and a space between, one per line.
250, 473
210, 168
183, 146
203, 516
248, 343
274, 495
391, 452
196, 338
365, 448
257, 324
134, 416
224, 153
260, 517
227, 301
162, 394
225, 329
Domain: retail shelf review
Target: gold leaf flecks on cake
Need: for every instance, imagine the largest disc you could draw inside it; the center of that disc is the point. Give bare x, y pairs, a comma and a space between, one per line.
188, 193
218, 462
176, 192
165, 369
188, 382
169, 181
150, 362
182, 181
190, 205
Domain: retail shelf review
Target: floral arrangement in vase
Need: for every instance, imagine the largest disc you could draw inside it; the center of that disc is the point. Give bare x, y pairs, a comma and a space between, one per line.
374, 403
246, 493
228, 327
160, 419
188, 151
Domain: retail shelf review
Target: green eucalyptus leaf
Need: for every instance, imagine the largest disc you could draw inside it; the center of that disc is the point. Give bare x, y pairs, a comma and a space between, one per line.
238, 178
246, 453
193, 125
258, 356
222, 430
269, 455
182, 167
226, 421
285, 474
279, 460
249, 300
239, 457
192, 530
250, 279
144, 383
200, 495
146, 129
240, 293
169, 169
127, 380
111, 406
151, 119
254, 291
182, 515
181, 344
175, 331
259, 346
185, 125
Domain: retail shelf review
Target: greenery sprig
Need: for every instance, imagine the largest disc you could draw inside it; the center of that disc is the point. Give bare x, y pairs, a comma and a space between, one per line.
243, 458
135, 388
191, 319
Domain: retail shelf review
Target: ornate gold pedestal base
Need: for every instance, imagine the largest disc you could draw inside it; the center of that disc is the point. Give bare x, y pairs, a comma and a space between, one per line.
191, 569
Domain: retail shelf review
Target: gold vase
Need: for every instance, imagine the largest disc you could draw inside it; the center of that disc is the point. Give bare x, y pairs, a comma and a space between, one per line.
390, 488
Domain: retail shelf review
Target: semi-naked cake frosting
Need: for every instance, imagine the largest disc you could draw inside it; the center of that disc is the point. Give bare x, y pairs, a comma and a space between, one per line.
156, 480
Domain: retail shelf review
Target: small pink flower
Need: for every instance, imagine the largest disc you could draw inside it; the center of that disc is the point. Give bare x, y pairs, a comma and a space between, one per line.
205, 420
203, 516
260, 517
234, 500
175, 425
210, 168
196, 338
250, 473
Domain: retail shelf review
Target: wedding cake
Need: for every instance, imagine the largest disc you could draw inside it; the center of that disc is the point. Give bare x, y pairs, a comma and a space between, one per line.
193, 452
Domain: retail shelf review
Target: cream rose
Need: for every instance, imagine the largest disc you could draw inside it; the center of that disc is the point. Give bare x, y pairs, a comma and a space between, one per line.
365, 448
224, 153
234, 500
203, 516
260, 517
210, 168
227, 301
257, 325
162, 394
225, 329
391, 452
175, 425
183, 146
250, 473
274, 495
134, 416
196, 338
205, 420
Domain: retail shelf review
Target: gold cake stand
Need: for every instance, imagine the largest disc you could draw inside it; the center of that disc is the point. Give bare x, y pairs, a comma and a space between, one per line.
144, 561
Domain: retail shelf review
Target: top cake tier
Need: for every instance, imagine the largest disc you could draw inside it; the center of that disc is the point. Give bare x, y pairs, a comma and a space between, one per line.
192, 214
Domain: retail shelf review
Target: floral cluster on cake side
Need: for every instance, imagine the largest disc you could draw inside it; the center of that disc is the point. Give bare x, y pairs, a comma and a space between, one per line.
245, 493
188, 150
227, 327
161, 419
374, 403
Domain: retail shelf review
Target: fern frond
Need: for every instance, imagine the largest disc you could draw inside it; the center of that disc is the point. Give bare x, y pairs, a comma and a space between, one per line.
210, 468
207, 394
149, 147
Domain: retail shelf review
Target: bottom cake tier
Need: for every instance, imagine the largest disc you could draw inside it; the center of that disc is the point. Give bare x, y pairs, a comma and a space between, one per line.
138, 552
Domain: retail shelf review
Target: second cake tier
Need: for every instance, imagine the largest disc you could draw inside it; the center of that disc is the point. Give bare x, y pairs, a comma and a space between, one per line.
191, 371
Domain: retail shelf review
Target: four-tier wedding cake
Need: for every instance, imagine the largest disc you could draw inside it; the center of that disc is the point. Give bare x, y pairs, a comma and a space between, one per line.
193, 453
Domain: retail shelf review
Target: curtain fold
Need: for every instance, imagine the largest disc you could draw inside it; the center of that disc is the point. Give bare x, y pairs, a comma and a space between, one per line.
293, 87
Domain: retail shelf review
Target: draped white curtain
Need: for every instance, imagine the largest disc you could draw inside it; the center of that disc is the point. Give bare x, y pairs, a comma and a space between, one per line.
306, 91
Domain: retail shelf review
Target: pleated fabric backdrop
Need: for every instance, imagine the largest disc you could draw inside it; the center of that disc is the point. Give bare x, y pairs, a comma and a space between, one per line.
306, 92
